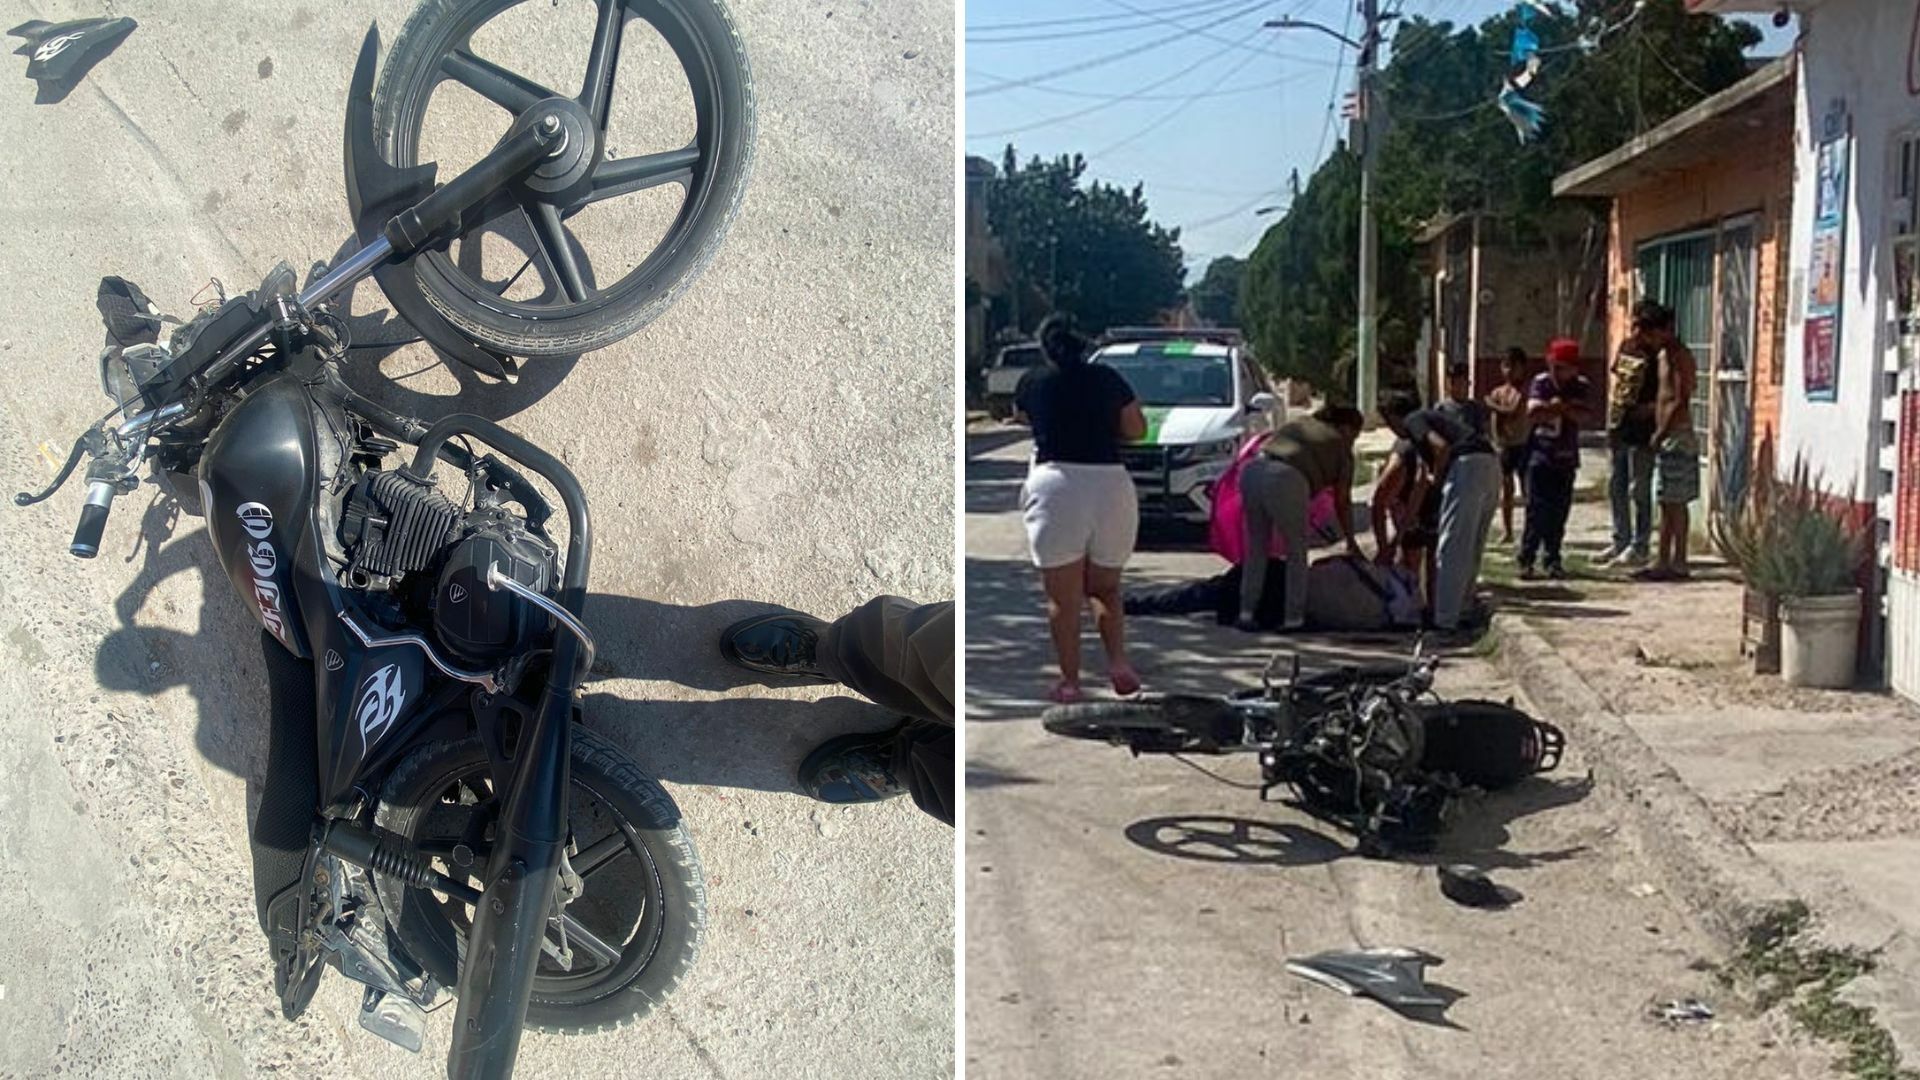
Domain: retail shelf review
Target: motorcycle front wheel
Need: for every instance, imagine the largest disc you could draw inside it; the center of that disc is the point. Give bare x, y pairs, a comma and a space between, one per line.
638, 923
662, 91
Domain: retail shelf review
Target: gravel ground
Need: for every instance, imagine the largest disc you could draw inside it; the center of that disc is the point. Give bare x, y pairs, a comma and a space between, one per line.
782, 434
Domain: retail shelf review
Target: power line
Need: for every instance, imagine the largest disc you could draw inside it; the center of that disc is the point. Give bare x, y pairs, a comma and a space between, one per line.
1234, 91
1075, 20
1100, 61
1175, 111
976, 37
1116, 100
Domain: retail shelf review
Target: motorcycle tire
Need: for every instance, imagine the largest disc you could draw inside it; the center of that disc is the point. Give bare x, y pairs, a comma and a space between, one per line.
702, 35
664, 878
1170, 724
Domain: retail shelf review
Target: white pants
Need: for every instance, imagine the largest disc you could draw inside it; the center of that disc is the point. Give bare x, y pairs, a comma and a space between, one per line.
1075, 511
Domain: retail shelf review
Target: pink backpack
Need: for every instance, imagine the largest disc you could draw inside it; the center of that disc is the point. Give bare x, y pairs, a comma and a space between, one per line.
1226, 527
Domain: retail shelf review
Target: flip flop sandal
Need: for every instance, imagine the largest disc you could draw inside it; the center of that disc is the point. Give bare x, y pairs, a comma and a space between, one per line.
1064, 693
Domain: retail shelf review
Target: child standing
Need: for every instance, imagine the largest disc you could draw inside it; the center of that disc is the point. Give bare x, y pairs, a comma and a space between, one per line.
1508, 403
1556, 403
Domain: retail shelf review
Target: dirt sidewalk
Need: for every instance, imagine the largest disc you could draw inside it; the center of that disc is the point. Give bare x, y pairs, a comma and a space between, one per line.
1764, 792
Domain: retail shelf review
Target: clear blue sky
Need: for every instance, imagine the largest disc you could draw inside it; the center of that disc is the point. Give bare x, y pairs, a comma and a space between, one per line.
1209, 161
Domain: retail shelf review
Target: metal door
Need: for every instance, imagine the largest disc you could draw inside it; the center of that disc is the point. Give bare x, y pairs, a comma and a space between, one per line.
1678, 272
1736, 314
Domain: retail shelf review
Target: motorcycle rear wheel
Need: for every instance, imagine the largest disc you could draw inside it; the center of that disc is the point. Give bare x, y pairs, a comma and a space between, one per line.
644, 892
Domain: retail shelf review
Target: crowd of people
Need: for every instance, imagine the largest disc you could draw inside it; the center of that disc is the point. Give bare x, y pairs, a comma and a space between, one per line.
1455, 465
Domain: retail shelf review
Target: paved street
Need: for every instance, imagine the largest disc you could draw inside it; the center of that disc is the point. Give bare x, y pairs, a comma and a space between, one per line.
1129, 917
783, 434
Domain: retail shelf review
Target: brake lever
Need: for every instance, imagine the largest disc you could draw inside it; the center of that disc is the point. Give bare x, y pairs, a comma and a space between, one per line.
92, 441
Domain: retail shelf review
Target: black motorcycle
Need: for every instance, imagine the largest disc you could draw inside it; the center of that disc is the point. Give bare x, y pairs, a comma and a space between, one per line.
433, 818
1371, 749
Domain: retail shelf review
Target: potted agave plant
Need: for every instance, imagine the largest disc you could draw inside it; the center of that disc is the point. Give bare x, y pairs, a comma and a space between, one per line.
1792, 545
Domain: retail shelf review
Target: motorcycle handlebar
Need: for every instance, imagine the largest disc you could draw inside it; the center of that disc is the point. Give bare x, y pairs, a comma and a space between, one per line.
93, 520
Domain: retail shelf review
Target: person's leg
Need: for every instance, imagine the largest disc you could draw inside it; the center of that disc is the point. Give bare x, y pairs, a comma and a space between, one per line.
1641, 468
895, 653
1620, 497
1559, 505
1450, 555
1536, 508
1483, 530
1463, 502
923, 758
1066, 595
1290, 518
1103, 591
1258, 492
1507, 476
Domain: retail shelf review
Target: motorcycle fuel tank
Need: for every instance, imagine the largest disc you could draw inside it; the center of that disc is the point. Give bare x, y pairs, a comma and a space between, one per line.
257, 479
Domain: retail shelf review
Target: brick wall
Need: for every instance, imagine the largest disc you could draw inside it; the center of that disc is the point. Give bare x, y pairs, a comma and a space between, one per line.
1754, 178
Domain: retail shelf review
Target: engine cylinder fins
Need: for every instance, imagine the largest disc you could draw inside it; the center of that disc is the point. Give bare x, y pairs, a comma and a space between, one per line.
403, 524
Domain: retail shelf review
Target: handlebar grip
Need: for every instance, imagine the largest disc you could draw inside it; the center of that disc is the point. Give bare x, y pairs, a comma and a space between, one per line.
93, 520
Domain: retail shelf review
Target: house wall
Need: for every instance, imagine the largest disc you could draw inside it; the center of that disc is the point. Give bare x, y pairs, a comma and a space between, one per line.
1753, 179
1855, 52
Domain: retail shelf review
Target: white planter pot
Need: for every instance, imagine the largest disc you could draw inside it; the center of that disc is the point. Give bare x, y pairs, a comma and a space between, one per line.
1818, 637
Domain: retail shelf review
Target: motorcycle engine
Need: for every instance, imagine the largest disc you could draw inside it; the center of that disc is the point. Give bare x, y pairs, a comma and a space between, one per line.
406, 539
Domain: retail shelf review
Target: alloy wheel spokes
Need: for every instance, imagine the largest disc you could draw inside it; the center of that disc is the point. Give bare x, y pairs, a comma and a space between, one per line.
622, 176
556, 248
599, 853
597, 92
510, 90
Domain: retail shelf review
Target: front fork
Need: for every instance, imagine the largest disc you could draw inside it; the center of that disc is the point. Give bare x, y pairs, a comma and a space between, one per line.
523, 874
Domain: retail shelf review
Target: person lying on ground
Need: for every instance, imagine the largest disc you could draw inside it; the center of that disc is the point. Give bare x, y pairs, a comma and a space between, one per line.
892, 652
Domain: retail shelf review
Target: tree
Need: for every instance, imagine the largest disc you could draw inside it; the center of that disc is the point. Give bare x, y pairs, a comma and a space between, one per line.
1216, 297
1447, 150
1089, 250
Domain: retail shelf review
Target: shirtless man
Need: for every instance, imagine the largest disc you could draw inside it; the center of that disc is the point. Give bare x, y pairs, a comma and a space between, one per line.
1676, 448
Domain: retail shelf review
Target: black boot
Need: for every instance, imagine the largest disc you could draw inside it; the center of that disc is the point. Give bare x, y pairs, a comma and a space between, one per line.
854, 768
781, 643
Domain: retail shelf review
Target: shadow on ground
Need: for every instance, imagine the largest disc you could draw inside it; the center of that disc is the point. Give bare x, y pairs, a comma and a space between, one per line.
746, 741
1478, 831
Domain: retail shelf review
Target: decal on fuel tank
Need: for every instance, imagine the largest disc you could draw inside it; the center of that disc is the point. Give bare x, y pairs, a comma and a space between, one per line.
257, 519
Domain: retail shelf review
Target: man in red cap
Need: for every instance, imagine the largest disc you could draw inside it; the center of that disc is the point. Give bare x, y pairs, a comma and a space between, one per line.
1556, 405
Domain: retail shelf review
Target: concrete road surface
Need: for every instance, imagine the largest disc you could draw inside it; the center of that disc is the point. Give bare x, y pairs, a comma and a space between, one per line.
1130, 917
782, 434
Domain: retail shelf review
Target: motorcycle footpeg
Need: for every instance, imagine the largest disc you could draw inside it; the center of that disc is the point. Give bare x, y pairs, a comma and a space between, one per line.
394, 1019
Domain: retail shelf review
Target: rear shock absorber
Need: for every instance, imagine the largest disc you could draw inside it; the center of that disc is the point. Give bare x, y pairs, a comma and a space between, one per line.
362, 848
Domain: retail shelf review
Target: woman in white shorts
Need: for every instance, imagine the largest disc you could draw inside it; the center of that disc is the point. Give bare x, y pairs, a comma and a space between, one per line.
1079, 504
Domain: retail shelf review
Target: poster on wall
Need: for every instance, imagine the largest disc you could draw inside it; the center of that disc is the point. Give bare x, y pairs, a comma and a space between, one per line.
1826, 256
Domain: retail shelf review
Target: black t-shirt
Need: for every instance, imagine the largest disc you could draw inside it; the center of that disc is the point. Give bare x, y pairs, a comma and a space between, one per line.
1075, 412
1460, 436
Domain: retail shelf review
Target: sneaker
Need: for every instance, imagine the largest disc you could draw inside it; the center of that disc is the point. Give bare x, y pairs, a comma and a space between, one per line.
1613, 553
1630, 559
1528, 573
1556, 572
853, 768
782, 643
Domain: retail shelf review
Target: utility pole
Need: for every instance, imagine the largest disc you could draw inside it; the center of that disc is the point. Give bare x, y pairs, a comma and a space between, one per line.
1366, 368
1366, 375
